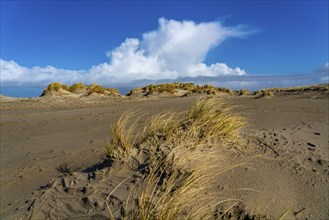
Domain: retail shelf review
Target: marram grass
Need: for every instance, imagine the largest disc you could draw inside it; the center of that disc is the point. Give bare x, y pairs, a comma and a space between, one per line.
179, 169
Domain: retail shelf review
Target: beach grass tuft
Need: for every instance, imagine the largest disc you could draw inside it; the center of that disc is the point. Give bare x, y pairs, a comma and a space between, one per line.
179, 169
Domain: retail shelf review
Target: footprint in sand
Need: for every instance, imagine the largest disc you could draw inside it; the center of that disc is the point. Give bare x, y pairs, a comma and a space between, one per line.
311, 145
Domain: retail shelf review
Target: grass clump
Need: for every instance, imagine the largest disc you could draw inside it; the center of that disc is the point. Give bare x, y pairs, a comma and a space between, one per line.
113, 91
244, 92
209, 119
122, 140
94, 88
163, 124
178, 169
225, 90
77, 87
264, 93
161, 88
56, 86
65, 169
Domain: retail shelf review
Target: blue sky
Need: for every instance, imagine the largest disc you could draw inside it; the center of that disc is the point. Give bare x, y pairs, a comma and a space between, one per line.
131, 43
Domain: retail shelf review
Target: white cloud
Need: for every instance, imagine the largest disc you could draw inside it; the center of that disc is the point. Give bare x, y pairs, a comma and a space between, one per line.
14, 74
179, 46
176, 49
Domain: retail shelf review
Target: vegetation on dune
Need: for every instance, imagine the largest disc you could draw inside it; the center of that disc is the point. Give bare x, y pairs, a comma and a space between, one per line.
161, 88
191, 88
77, 87
172, 88
320, 88
207, 120
244, 92
113, 91
80, 89
56, 86
263, 93
122, 140
178, 169
226, 90
94, 88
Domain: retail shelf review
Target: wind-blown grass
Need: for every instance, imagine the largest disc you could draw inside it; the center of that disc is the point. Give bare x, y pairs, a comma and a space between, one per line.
122, 136
208, 119
179, 169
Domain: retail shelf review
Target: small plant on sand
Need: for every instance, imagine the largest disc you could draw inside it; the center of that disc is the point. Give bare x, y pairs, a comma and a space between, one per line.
264, 93
65, 169
225, 90
244, 92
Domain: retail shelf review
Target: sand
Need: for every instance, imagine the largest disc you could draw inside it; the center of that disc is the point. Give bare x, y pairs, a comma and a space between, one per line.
42, 140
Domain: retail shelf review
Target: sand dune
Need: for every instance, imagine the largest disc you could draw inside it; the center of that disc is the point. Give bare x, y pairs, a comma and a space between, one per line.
53, 161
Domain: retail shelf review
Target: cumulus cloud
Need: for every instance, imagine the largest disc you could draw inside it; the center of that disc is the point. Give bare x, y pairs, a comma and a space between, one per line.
14, 74
175, 49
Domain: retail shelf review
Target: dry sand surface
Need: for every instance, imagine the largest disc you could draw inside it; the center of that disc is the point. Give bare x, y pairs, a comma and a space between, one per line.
53, 162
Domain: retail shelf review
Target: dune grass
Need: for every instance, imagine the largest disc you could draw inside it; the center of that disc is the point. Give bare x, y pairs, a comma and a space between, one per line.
122, 136
172, 88
113, 90
179, 169
56, 86
244, 92
94, 88
208, 119
317, 87
77, 87
80, 88
271, 92
264, 93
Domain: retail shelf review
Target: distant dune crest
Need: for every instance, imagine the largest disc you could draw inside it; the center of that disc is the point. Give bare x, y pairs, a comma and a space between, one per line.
57, 89
79, 90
